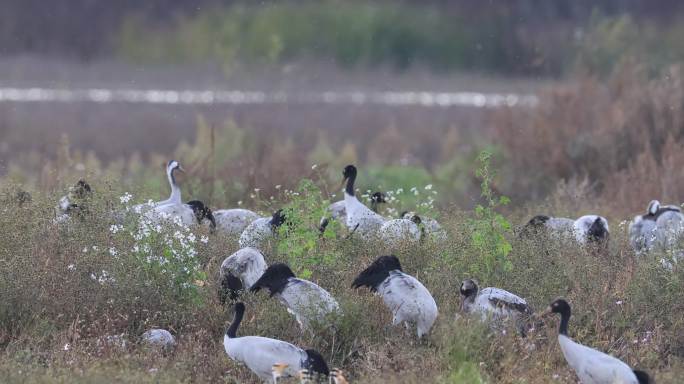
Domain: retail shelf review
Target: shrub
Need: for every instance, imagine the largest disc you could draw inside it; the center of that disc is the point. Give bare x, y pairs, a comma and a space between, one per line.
488, 228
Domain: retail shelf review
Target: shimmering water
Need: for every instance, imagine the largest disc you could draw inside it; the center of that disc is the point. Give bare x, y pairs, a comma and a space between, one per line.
207, 97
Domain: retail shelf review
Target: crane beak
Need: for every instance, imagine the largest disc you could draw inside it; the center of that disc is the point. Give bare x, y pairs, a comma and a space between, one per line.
181, 169
547, 312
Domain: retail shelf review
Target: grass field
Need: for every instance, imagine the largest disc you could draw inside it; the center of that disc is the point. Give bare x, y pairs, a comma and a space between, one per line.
67, 287
596, 147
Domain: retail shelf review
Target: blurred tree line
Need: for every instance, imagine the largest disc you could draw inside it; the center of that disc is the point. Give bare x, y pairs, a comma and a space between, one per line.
517, 36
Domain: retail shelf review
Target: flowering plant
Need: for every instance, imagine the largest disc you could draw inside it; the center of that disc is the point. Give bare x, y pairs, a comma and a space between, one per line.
165, 250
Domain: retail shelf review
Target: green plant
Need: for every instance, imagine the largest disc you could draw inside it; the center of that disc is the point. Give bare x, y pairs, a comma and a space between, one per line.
299, 237
488, 228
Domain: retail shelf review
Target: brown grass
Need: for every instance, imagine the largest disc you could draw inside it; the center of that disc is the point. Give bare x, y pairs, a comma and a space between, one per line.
624, 136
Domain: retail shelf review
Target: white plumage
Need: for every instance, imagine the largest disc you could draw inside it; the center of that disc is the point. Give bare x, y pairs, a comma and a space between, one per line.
174, 197
170, 211
561, 224
495, 305
431, 227
160, 338
642, 233
400, 233
305, 300
590, 365
584, 230
361, 220
173, 208
256, 233
659, 229
669, 227
247, 263
232, 222
590, 228
260, 231
408, 300
259, 354
338, 209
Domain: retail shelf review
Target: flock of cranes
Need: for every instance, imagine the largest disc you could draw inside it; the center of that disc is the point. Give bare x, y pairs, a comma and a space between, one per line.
409, 301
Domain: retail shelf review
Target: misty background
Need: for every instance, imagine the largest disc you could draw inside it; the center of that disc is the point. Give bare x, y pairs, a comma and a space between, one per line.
578, 58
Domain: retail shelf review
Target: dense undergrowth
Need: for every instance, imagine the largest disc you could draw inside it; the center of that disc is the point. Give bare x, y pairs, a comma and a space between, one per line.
68, 287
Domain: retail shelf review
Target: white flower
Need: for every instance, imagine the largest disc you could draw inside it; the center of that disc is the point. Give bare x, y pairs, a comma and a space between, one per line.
619, 302
204, 239
113, 251
428, 187
277, 186
114, 228
85, 250
314, 166
94, 247
71, 267
125, 198
66, 347
257, 190
240, 202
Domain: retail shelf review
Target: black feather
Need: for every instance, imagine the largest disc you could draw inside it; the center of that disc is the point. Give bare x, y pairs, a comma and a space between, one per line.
642, 377
23, 197
316, 363
597, 231
239, 313
349, 174
518, 307
471, 290
230, 289
535, 226
274, 279
377, 272
324, 224
278, 218
202, 212
82, 189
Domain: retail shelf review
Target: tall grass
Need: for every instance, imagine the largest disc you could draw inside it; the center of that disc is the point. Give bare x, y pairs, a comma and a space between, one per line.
621, 138
58, 309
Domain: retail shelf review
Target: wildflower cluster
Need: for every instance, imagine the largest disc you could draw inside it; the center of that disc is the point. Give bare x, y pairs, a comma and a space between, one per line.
164, 248
416, 199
